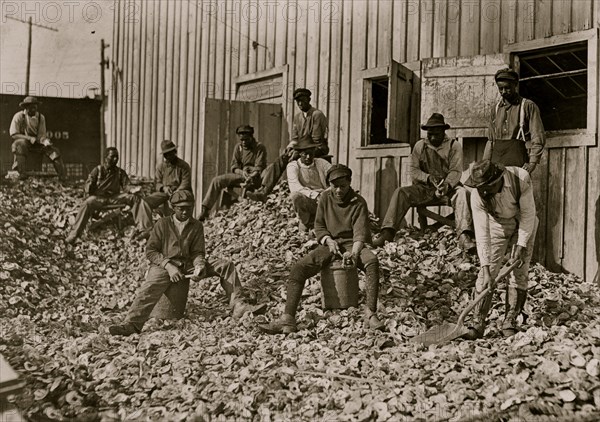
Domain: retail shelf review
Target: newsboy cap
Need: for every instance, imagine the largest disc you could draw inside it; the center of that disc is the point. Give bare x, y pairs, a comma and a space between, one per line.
506, 74
28, 101
300, 92
182, 198
167, 146
337, 171
484, 172
245, 129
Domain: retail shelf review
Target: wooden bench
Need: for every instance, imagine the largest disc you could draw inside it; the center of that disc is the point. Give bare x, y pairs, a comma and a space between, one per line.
108, 213
423, 213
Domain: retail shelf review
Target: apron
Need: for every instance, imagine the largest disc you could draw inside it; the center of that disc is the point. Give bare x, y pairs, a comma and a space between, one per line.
511, 152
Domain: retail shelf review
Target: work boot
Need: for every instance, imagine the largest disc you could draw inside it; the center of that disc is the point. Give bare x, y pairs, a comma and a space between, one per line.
466, 243
126, 329
258, 195
240, 308
385, 235
59, 167
480, 313
284, 325
372, 321
515, 300
204, 213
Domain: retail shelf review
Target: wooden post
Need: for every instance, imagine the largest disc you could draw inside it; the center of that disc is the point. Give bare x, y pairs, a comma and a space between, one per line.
103, 62
28, 58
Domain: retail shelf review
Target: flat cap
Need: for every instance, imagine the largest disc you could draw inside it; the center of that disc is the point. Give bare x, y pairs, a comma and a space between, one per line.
506, 74
245, 129
302, 92
182, 198
337, 171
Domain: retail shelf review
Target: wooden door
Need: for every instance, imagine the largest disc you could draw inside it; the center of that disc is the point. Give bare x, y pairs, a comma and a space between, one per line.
220, 118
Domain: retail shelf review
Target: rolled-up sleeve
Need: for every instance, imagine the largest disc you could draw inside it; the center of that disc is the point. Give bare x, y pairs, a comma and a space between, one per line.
526, 210
482, 228
16, 125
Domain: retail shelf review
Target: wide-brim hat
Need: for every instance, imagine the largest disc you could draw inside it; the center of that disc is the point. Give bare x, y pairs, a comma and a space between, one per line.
484, 173
29, 101
436, 120
167, 146
337, 171
182, 198
305, 143
302, 92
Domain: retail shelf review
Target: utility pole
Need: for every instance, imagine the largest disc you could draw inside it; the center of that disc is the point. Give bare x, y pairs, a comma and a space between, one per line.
31, 24
103, 63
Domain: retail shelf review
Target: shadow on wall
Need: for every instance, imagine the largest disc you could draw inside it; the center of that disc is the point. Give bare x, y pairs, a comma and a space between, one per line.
387, 181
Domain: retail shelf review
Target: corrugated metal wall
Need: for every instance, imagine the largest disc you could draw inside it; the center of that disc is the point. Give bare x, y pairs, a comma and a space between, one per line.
169, 54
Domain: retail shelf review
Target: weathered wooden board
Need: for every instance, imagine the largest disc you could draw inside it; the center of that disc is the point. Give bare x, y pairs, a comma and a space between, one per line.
555, 213
592, 235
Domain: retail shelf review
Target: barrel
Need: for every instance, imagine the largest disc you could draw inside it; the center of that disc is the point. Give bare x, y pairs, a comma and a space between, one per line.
171, 304
339, 286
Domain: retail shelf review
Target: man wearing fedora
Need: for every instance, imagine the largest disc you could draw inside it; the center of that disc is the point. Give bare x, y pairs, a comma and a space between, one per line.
436, 165
28, 129
516, 134
175, 248
105, 185
504, 217
248, 163
342, 229
307, 180
172, 174
308, 122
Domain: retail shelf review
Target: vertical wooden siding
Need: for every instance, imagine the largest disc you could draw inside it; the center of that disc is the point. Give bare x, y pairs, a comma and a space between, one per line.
167, 55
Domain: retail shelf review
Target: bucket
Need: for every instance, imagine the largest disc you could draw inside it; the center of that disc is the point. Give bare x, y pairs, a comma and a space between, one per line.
172, 308
339, 286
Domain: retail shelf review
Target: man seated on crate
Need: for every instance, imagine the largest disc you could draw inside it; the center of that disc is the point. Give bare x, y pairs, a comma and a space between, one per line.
342, 229
176, 248
248, 162
172, 174
308, 122
307, 181
105, 185
28, 129
504, 215
436, 165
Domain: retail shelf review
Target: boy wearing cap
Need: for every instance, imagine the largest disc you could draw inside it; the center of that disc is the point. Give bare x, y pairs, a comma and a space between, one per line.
307, 181
176, 247
516, 134
309, 122
503, 215
436, 166
28, 129
105, 185
342, 229
172, 174
248, 162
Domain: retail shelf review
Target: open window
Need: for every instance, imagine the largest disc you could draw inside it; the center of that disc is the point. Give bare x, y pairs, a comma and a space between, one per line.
559, 74
388, 96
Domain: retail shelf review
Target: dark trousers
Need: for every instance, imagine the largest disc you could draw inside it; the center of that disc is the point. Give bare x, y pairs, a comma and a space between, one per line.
219, 183
306, 209
21, 148
142, 214
409, 196
319, 258
158, 283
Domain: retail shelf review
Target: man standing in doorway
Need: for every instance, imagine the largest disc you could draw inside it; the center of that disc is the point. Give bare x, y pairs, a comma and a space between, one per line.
516, 134
308, 122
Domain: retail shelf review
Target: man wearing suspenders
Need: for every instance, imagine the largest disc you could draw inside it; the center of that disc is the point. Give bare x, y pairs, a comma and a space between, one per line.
516, 133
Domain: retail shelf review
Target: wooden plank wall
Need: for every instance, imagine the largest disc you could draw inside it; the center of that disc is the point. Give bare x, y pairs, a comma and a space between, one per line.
167, 55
